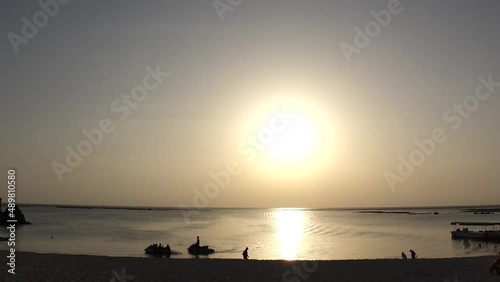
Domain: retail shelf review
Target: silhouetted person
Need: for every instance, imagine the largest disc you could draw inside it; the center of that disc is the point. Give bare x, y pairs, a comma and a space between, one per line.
197, 241
466, 244
167, 249
495, 268
403, 255
245, 253
157, 250
413, 254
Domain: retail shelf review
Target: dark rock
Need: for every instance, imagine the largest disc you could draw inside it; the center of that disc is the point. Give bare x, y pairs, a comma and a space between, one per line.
18, 215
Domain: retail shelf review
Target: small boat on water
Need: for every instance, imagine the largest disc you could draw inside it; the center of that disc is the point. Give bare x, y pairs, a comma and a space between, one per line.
196, 250
476, 230
157, 250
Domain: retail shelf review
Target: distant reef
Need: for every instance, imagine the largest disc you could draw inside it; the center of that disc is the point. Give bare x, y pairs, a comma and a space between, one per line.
395, 212
18, 215
482, 210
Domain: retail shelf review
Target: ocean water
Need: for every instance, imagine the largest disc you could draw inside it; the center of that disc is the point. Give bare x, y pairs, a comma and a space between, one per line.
291, 234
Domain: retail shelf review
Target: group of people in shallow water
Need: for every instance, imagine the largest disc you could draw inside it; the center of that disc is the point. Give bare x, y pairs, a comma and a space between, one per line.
159, 249
412, 252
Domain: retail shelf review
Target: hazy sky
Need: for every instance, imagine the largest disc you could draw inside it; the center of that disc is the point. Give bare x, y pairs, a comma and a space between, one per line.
239, 70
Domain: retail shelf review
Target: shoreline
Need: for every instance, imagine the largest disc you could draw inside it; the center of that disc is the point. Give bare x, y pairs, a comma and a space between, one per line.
59, 267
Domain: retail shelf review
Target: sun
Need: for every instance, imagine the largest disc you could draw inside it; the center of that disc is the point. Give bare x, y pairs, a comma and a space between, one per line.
295, 143
288, 138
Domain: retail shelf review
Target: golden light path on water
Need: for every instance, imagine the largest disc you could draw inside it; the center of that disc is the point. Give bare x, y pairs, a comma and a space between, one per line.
290, 228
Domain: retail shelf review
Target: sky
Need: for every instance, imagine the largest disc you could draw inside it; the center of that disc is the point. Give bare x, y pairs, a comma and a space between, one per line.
315, 104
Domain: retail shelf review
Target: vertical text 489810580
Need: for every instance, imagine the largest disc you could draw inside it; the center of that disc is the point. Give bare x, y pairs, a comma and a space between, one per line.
11, 221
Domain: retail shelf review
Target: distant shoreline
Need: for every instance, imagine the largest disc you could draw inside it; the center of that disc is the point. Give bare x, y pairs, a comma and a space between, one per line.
478, 208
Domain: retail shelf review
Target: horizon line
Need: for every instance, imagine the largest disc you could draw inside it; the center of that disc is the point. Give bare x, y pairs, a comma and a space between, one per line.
291, 208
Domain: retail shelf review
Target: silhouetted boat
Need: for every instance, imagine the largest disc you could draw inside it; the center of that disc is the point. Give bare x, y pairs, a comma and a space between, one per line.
196, 250
157, 250
480, 230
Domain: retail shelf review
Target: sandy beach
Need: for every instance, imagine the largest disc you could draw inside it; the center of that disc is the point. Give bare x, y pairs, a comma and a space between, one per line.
57, 267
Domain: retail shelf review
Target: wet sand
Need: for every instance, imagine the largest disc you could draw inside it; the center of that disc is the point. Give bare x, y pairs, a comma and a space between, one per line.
57, 267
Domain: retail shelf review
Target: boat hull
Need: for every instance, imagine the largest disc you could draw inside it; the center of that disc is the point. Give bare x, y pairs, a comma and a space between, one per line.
481, 235
159, 251
200, 250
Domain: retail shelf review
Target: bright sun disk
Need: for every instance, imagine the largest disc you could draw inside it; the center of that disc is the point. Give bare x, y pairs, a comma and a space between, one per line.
295, 143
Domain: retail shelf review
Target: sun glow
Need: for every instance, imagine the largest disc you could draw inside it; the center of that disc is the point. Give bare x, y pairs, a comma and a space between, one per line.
295, 143
288, 135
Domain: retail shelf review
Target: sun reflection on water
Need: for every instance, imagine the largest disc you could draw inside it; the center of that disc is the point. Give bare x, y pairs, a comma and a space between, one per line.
290, 227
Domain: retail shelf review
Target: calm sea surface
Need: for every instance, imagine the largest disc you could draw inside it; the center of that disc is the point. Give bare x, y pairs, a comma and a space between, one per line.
269, 233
